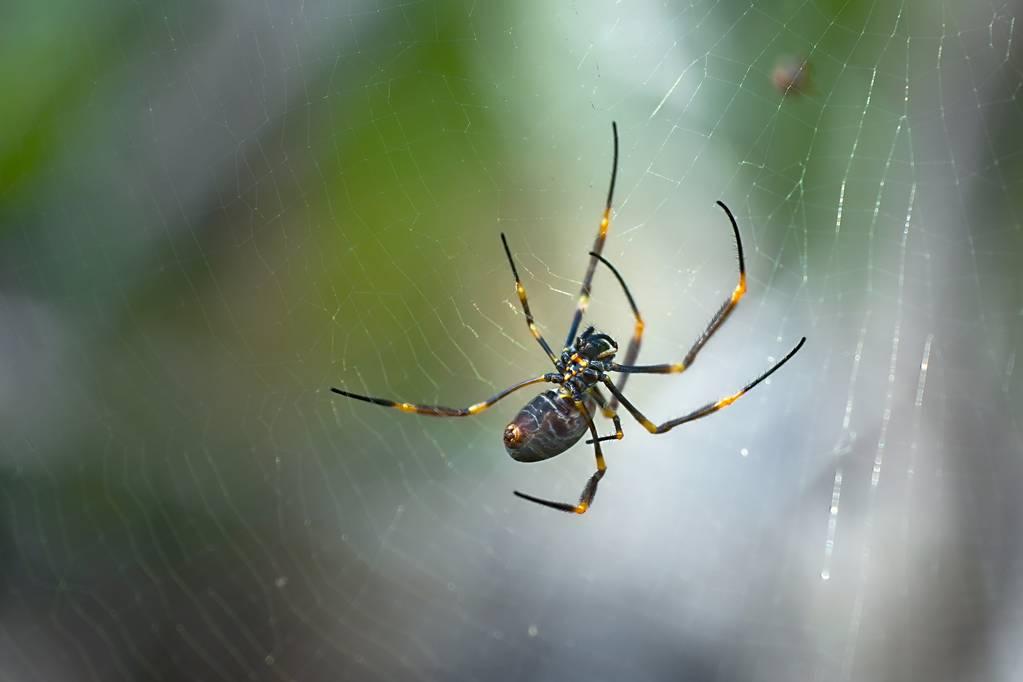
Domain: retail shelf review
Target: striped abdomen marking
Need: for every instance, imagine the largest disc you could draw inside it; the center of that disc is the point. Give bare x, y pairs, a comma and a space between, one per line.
548, 425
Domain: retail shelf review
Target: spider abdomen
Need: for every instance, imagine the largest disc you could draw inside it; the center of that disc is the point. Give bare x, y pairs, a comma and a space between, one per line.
548, 425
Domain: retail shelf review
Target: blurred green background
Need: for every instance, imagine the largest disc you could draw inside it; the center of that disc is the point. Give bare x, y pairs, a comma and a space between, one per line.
210, 213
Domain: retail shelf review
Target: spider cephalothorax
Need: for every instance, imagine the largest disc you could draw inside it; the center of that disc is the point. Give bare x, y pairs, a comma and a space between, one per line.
583, 366
556, 419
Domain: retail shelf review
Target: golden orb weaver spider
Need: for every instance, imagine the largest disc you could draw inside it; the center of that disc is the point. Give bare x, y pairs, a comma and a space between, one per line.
556, 419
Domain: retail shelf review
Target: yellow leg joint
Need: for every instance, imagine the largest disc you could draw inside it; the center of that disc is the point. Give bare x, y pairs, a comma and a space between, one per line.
581, 508
725, 402
739, 290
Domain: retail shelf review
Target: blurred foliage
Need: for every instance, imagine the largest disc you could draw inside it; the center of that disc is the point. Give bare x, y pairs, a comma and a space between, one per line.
52, 57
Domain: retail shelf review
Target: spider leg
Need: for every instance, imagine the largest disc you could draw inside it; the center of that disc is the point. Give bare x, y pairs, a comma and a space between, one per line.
598, 246
601, 401
632, 350
590, 490
617, 435
521, 291
707, 409
440, 411
715, 323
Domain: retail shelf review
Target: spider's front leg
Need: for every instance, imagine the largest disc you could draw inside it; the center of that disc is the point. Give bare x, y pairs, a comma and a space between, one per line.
524, 301
715, 323
699, 413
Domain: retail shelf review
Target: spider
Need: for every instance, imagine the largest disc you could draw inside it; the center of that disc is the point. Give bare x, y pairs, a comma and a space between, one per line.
556, 419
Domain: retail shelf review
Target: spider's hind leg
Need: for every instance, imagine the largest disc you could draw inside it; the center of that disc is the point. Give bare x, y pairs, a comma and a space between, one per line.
590, 490
608, 412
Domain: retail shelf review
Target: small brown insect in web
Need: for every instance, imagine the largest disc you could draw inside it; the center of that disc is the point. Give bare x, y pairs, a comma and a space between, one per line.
791, 76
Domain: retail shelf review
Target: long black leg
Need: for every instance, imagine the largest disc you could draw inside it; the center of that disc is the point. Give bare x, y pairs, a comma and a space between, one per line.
632, 350
521, 291
598, 246
590, 490
719, 319
707, 409
440, 411
601, 401
617, 435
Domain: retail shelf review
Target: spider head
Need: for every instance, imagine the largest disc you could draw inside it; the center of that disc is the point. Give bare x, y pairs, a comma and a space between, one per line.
595, 346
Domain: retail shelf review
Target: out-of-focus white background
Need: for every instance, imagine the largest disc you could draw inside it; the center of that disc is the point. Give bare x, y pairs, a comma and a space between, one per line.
210, 213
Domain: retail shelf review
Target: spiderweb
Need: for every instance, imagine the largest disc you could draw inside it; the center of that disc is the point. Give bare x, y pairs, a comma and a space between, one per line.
210, 215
